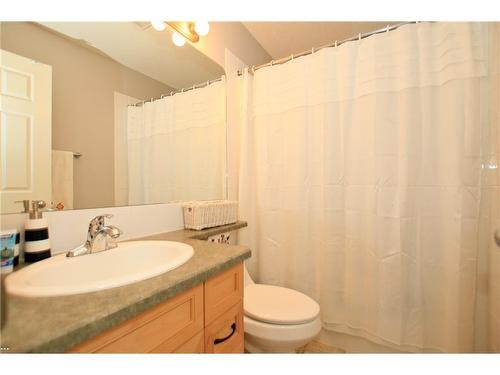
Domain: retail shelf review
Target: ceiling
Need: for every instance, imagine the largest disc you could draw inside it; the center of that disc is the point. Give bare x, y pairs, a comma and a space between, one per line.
281, 39
141, 48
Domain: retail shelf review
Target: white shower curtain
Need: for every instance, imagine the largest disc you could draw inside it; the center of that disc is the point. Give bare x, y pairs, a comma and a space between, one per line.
360, 178
176, 147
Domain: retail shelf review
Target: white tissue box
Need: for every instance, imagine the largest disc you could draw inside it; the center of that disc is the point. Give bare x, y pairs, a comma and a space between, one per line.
206, 214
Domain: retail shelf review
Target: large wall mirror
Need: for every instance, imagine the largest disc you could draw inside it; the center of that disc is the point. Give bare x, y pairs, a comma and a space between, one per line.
107, 114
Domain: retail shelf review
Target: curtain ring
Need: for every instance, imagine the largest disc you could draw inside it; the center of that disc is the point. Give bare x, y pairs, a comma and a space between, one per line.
387, 29
171, 93
291, 57
272, 62
253, 69
335, 45
182, 90
359, 36
312, 50
161, 96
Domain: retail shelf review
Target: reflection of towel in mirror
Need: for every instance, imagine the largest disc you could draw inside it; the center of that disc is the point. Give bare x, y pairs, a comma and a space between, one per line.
62, 178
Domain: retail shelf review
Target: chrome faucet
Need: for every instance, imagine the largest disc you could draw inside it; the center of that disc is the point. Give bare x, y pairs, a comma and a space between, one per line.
100, 237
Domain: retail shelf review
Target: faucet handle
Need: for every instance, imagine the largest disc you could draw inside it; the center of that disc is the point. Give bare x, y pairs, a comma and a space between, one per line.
100, 218
107, 216
97, 223
97, 229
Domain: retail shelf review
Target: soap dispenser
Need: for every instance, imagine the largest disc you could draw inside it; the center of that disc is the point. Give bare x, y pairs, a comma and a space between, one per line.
36, 234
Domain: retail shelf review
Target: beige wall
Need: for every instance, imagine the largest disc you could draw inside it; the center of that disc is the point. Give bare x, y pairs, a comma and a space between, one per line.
84, 83
236, 38
231, 45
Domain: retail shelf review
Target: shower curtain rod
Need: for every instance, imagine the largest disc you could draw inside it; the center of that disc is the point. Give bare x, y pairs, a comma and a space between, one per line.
173, 92
335, 44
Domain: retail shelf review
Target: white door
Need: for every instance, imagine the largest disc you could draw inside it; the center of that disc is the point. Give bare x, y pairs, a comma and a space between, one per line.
25, 131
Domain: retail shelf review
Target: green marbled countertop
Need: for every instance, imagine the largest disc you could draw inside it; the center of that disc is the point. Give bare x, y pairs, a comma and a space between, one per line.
56, 324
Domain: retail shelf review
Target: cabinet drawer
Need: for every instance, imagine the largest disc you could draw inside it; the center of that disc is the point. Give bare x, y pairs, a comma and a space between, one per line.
225, 334
160, 329
222, 292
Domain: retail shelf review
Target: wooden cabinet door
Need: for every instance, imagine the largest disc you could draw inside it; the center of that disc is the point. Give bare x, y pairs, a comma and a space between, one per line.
195, 345
162, 329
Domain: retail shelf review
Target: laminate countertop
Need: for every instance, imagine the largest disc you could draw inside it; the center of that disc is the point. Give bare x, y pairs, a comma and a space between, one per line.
56, 324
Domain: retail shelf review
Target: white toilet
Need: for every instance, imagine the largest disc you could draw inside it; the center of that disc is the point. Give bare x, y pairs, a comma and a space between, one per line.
277, 319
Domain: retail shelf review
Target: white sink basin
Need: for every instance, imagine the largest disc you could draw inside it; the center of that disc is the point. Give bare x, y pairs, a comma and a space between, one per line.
128, 263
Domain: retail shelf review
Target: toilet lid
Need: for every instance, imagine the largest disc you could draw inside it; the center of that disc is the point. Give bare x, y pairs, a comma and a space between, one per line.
278, 305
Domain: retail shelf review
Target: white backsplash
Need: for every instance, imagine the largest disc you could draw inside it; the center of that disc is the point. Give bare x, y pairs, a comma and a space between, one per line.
68, 229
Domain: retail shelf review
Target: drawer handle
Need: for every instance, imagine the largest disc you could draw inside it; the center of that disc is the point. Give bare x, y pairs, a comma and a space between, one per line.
218, 341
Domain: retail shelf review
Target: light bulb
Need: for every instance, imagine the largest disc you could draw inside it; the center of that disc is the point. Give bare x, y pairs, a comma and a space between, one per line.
158, 25
201, 28
178, 39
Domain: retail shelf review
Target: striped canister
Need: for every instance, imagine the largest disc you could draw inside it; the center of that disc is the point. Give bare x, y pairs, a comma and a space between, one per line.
36, 240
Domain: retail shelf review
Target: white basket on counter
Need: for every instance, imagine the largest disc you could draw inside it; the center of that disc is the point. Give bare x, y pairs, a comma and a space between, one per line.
206, 214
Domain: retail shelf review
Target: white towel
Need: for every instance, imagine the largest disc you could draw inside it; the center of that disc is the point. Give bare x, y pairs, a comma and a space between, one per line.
62, 178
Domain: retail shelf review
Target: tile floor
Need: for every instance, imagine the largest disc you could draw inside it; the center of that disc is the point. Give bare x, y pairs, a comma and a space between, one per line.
317, 347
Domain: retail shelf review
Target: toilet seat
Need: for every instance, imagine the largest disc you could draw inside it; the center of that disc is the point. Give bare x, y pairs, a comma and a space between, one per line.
278, 305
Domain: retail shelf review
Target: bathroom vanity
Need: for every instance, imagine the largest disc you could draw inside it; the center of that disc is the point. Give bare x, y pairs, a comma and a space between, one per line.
205, 319
195, 308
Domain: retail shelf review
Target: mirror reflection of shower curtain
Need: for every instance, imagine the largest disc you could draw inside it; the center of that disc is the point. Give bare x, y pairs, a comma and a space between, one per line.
361, 181
176, 147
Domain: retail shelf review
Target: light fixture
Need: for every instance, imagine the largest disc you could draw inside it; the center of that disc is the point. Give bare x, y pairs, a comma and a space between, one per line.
183, 31
201, 28
186, 29
178, 39
158, 25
